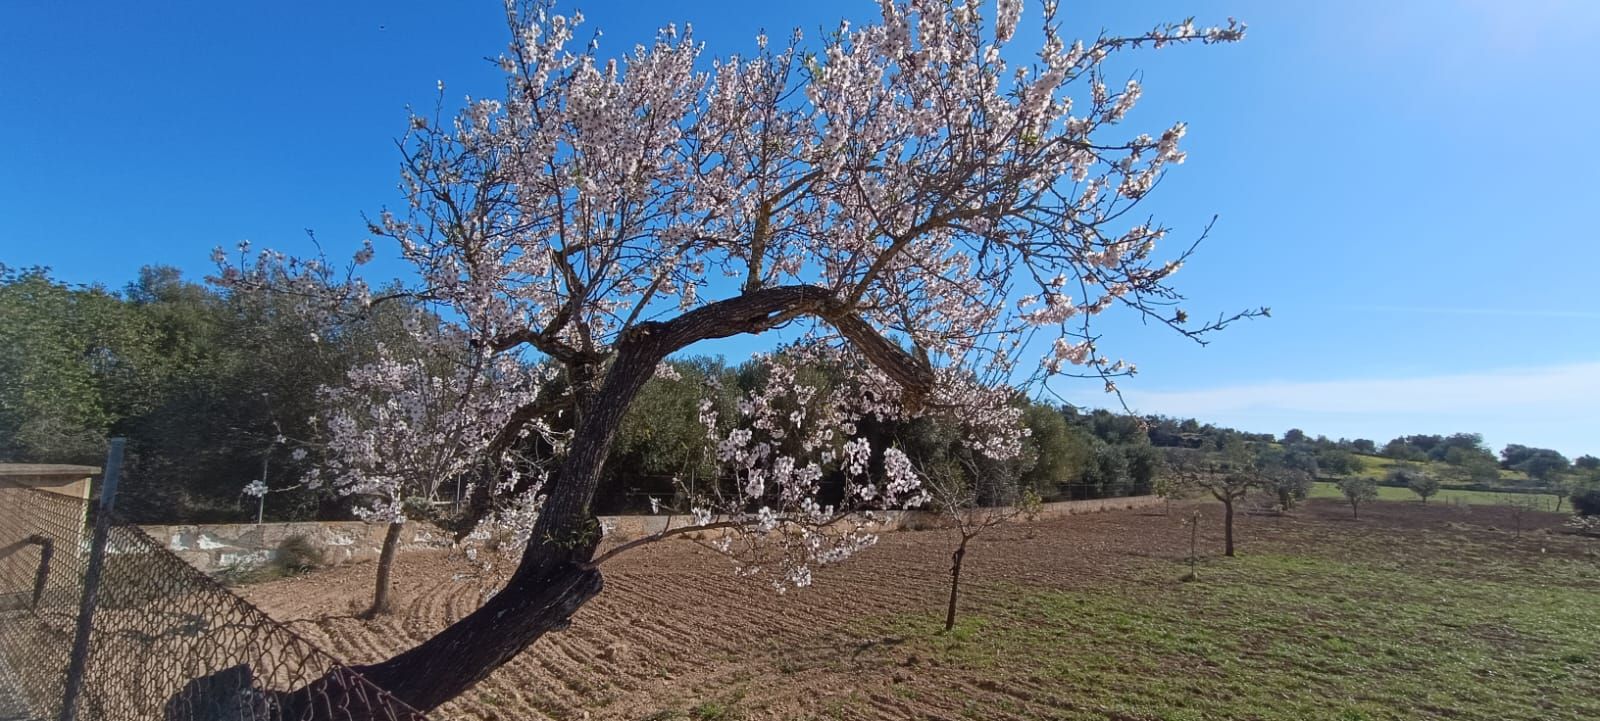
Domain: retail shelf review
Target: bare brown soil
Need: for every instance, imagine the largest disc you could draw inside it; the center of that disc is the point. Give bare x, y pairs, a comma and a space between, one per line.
676, 634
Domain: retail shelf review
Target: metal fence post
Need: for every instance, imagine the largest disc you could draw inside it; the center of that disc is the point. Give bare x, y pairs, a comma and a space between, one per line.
91, 583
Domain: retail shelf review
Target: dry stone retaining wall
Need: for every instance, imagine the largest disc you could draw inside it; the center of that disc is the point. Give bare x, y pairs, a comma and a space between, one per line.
218, 547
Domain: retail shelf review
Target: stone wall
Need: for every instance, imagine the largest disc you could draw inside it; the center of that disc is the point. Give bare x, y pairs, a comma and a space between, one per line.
213, 548
217, 547
626, 528
916, 520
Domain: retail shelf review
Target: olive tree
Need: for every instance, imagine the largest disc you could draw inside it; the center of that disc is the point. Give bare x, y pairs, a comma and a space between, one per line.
1228, 476
1420, 483
1288, 473
1358, 490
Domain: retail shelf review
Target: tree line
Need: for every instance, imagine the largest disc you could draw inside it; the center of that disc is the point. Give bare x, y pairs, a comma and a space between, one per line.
216, 389
212, 389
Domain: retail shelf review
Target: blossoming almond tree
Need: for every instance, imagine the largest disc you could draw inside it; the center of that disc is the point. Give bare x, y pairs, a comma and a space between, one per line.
902, 193
793, 431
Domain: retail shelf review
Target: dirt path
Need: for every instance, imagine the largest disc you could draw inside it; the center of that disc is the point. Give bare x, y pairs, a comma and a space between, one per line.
676, 630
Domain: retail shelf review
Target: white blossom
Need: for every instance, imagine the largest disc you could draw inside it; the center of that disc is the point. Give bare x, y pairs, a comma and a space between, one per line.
899, 178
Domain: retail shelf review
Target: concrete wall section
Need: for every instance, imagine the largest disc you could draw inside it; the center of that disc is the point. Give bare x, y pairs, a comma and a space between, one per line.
40, 504
70, 481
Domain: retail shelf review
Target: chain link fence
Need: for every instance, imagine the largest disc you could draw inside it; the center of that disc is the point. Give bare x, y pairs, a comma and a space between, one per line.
43, 554
164, 642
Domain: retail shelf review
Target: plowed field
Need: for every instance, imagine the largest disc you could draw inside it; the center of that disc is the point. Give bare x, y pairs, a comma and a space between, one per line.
1319, 617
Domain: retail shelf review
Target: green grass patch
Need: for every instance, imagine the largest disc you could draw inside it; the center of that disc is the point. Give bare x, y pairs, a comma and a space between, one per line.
1378, 467
1287, 637
1547, 501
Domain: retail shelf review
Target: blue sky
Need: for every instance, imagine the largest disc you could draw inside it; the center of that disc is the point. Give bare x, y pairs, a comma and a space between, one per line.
1407, 184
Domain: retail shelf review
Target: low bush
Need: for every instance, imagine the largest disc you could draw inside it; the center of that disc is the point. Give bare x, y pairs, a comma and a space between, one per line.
296, 555
920, 521
1586, 502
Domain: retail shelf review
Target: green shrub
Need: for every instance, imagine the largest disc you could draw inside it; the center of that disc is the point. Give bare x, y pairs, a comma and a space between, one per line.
296, 555
1358, 490
1586, 501
919, 521
1422, 484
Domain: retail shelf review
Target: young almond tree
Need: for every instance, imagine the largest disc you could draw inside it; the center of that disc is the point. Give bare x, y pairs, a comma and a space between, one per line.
1192, 522
953, 491
900, 190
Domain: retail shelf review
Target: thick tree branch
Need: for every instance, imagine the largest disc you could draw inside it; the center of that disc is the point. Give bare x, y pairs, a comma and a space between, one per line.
566, 518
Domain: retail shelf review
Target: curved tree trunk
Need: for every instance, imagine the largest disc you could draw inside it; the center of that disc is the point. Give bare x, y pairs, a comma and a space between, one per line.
955, 583
531, 605
555, 577
380, 592
439, 669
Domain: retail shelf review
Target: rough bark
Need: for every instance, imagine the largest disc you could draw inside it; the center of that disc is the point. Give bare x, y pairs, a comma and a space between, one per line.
380, 592
532, 604
1194, 547
955, 583
1227, 527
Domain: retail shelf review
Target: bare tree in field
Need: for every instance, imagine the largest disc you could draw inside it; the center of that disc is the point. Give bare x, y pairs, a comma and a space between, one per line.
1521, 504
899, 192
953, 490
1561, 487
1171, 484
1192, 522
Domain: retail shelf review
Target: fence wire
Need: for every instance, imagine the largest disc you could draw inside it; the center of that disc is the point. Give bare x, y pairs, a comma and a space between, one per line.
167, 642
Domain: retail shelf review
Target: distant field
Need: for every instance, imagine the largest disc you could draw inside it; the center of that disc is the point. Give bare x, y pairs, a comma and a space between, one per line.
1350, 631
1324, 489
1378, 467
